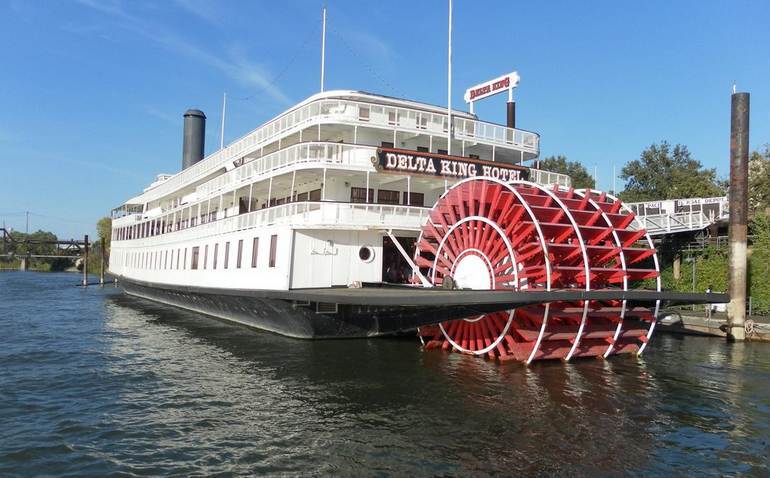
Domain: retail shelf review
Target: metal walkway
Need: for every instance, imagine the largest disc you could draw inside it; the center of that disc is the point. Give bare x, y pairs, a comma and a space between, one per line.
680, 215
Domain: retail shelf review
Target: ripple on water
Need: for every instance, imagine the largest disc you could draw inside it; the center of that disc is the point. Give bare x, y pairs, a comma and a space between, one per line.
94, 383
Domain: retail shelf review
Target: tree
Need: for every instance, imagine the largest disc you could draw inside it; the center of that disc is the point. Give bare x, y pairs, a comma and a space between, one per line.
104, 229
579, 174
759, 181
665, 173
759, 263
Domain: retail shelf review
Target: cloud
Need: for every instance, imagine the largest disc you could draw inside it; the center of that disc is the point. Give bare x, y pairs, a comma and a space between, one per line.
163, 116
236, 65
203, 9
371, 45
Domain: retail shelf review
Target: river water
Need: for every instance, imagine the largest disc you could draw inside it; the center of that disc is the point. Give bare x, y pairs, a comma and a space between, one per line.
95, 383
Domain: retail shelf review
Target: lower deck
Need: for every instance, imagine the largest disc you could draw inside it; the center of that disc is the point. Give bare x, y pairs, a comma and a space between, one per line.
275, 257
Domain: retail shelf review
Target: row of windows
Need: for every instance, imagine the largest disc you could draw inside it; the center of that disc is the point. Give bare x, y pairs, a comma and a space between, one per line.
183, 220
176, 259
385, 196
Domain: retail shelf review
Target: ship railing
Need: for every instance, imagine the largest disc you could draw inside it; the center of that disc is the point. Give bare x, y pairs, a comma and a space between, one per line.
322, 213
549, 178
321, 153
304, 214
325, 154
351, 112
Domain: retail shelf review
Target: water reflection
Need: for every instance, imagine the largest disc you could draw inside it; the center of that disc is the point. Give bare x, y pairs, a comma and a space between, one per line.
135, 387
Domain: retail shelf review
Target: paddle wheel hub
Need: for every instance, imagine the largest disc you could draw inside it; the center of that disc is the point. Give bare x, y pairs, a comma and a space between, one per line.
487, 234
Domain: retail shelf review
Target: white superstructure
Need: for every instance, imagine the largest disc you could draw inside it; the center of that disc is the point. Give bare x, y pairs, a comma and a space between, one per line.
313, 198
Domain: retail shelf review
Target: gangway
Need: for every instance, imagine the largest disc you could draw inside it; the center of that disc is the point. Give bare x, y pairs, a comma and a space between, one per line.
680, 215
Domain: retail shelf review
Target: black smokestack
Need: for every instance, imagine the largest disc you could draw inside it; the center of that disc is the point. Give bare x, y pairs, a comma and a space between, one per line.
194, 137
511, 116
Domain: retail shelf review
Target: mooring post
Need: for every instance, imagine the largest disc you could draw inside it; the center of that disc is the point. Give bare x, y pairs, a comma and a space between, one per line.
101, 269
85, 261
738, 196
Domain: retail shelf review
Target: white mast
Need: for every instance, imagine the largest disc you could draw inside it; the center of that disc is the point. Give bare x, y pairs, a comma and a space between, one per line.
222, 132
449, 85
323, 49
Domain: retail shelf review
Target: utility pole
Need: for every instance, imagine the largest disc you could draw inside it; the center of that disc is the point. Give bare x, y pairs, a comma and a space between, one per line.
104, 255
85, 261
614, 177
739, 202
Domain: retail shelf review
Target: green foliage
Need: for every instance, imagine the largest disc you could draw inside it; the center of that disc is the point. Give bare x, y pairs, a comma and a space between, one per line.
575, 170
22, 249
759, 264
663, 173
711, 270
104, 230
759, 181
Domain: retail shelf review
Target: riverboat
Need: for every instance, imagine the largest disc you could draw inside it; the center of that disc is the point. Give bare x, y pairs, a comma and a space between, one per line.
354, 214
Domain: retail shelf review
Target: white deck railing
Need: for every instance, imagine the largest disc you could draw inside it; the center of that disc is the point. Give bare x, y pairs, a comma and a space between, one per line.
321, 154
661, 224
317, 214
347, 112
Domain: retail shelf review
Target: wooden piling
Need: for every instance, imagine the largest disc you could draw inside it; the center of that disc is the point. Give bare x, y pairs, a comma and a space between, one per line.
85, 261
739, 202
101, 269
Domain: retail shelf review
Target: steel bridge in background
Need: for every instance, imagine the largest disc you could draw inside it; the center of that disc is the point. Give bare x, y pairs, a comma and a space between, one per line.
72, 249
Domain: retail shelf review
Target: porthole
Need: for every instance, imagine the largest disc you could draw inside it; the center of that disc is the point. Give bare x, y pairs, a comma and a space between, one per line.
366, 254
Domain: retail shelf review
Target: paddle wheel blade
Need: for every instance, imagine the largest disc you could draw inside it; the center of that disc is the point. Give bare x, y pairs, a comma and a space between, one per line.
485, 234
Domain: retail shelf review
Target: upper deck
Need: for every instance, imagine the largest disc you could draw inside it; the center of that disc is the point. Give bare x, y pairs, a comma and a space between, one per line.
357, 118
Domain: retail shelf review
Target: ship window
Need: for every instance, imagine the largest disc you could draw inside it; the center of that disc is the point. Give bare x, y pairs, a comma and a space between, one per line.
366, 254
473, 156
165, 259
315, 195
423, 149
216, 255
254, 251
415, 199
385, 196
387, 144
422, 122
240, 253
442, 151
227, 254
205, 255
358, 195
184, 259
194, 258
302, 196
392, 118
178, 251
363, 113
273, 247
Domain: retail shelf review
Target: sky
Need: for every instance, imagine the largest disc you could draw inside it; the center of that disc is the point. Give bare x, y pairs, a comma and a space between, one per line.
92, 92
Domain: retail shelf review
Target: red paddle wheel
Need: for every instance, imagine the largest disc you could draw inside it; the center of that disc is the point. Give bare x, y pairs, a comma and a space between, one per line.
486, 234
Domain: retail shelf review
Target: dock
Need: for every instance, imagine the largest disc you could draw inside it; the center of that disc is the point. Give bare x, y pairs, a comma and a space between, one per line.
684, 322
